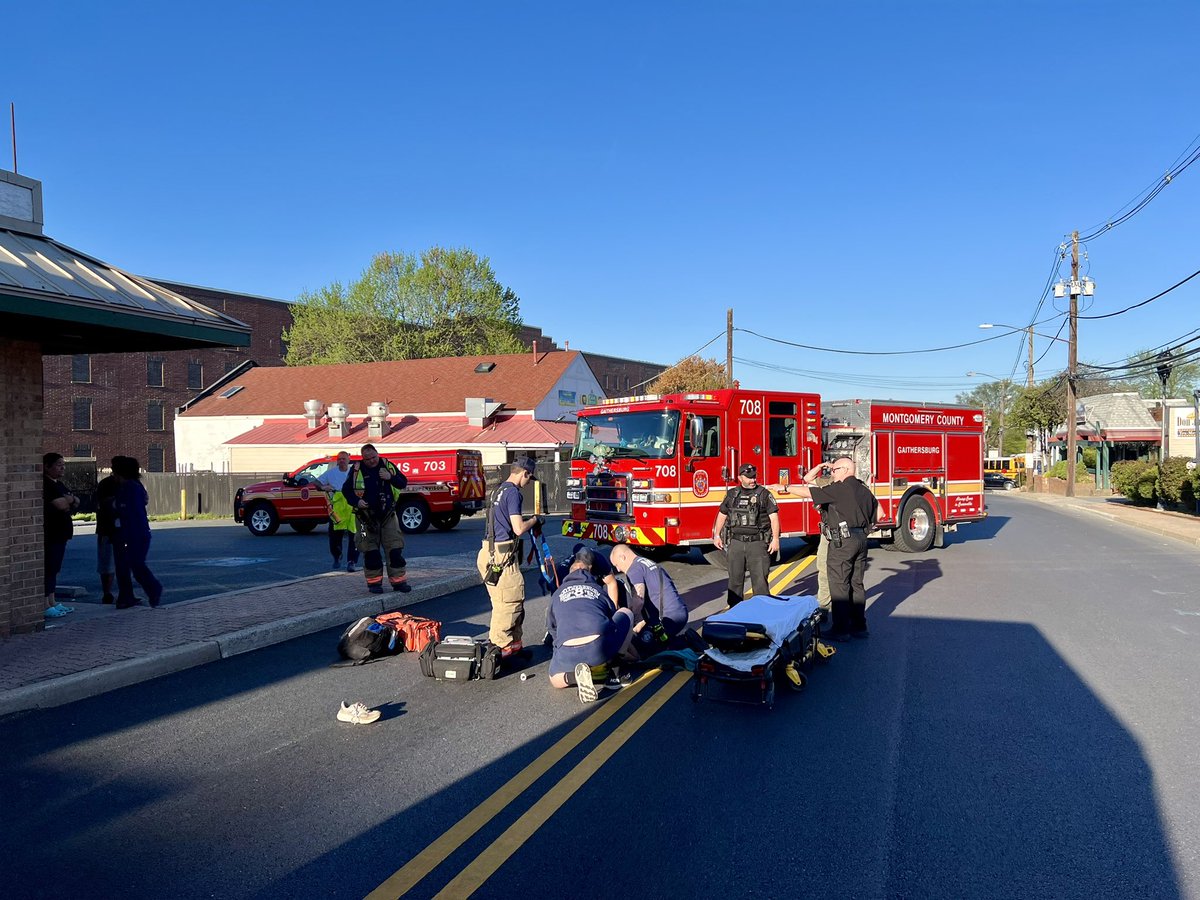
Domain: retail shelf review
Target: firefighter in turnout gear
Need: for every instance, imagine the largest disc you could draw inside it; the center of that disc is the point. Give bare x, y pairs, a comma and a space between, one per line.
747, 529
371, 488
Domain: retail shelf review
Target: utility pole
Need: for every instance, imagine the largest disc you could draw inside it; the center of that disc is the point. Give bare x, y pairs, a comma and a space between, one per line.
729, 348
1072, 351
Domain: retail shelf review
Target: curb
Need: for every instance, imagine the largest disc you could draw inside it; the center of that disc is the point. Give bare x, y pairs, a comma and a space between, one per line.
102, 679
1092, 510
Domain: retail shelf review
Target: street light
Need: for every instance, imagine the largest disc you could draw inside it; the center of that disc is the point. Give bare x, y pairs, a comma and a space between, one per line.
1003, 399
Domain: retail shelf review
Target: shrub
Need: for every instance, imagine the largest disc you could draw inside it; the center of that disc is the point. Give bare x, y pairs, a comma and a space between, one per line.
1137, 480
1089, 458
1177, 488
1059, 471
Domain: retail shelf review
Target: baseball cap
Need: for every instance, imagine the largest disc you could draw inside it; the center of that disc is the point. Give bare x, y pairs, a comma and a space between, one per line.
527, 463
749, 470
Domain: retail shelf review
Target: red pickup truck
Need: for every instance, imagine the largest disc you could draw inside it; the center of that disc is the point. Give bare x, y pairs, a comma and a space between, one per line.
443, 486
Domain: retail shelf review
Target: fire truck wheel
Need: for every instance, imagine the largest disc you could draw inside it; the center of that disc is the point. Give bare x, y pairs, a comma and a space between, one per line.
717, 558
262, 520
445, 521
304, 526
917, 526
414, 515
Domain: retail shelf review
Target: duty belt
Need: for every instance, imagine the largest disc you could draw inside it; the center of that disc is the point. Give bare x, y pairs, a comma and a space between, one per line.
747, 538
504, 546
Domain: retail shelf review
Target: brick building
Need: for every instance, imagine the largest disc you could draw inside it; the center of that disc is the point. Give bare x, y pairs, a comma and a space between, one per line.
57, 301
103, 404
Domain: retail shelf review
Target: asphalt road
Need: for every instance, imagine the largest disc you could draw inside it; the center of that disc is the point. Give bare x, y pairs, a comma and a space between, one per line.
1020, 724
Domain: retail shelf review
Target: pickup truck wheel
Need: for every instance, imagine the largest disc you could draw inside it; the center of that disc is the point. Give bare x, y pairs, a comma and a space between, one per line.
917, 526
414, 515
445, 521
305, 526
262, 520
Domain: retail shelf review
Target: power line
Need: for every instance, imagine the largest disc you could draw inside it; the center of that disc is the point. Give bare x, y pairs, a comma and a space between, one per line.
1144, 302
774, 340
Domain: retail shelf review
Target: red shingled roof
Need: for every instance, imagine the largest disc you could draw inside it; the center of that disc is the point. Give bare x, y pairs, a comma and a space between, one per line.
409, 385
519, 431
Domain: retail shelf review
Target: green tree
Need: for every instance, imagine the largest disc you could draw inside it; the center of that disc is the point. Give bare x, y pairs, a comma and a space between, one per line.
442, 303
1040, 409
1185, 375
996, 398
692, 373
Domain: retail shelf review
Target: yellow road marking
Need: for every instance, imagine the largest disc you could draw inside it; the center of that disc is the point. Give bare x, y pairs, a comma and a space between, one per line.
782, 576
436, 853
486, 863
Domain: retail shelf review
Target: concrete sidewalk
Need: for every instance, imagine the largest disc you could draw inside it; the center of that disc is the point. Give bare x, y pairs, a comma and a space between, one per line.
98, 648
1177, 525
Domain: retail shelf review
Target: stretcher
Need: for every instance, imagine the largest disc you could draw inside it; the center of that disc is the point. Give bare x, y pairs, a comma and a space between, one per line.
751, 644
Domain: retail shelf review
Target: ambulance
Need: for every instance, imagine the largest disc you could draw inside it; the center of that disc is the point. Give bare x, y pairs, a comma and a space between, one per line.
651, 471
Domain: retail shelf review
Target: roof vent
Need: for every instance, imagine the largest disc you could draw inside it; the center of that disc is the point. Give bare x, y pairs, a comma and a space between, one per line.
484, 368
339, 427
20, 203
377, 423
314, 411
480, 409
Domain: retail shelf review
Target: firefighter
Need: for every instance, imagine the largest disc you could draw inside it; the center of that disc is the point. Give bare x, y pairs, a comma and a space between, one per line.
370, 488
849, 510
747, 529
499, 560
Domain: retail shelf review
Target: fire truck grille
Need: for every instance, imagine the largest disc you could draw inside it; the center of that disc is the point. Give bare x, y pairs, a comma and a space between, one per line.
608, 497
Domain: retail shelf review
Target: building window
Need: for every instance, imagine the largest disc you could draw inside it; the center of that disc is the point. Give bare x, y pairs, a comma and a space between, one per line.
154, 371
82, 451
81, 369
154, 416
231, 364
154, 458
81, 414
195, 375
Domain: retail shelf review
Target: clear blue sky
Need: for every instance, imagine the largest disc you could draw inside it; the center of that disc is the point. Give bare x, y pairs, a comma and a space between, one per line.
868, 176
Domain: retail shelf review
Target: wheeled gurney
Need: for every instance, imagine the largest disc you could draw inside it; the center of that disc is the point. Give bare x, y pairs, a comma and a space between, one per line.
750, 644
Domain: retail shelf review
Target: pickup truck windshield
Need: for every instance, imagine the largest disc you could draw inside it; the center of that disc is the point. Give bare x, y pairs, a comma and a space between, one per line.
629, 435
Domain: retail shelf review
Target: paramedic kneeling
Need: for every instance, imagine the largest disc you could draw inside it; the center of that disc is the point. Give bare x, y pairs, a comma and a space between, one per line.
849, 510
654, 599
587, 629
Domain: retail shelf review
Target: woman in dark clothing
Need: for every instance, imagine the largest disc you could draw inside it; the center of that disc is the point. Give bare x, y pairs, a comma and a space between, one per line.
133, 531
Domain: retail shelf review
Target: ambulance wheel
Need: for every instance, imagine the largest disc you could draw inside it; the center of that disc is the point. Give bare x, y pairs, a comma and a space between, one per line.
305, 526
414, 515
262, 520
446, 521
917, 526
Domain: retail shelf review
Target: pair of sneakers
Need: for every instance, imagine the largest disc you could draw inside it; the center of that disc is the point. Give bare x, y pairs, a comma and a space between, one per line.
589, 687
58, 610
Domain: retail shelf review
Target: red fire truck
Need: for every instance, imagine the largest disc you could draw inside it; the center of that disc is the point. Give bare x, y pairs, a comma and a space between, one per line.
443, 486
652, 470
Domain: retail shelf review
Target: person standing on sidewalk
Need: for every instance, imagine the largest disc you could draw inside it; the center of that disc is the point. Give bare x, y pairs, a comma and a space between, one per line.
370, 489
341, 516
57, 503
133, 529
106, 530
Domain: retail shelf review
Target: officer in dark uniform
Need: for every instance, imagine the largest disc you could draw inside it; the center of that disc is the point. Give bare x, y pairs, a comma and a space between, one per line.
747, 529
849, 512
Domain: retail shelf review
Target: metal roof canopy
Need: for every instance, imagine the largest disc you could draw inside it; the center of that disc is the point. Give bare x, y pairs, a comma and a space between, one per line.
68, 302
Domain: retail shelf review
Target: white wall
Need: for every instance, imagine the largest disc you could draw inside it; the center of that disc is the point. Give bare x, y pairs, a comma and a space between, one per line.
200, 441
575, 382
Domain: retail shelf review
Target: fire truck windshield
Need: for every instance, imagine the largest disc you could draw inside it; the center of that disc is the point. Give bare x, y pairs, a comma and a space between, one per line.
643, 435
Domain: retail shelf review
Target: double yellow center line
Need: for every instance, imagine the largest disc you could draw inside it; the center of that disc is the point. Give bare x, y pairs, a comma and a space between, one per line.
494, 856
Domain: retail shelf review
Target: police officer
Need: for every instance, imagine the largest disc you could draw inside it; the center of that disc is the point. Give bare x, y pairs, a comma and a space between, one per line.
849, 511
370, 488
500, 557
752, 516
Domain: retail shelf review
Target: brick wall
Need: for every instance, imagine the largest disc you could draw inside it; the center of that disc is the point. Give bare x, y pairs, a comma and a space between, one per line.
120, 395
21, 602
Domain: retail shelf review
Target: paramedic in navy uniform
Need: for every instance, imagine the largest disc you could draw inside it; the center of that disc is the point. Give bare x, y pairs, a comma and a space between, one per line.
849, 512
507, 524
587, 629
752, 536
